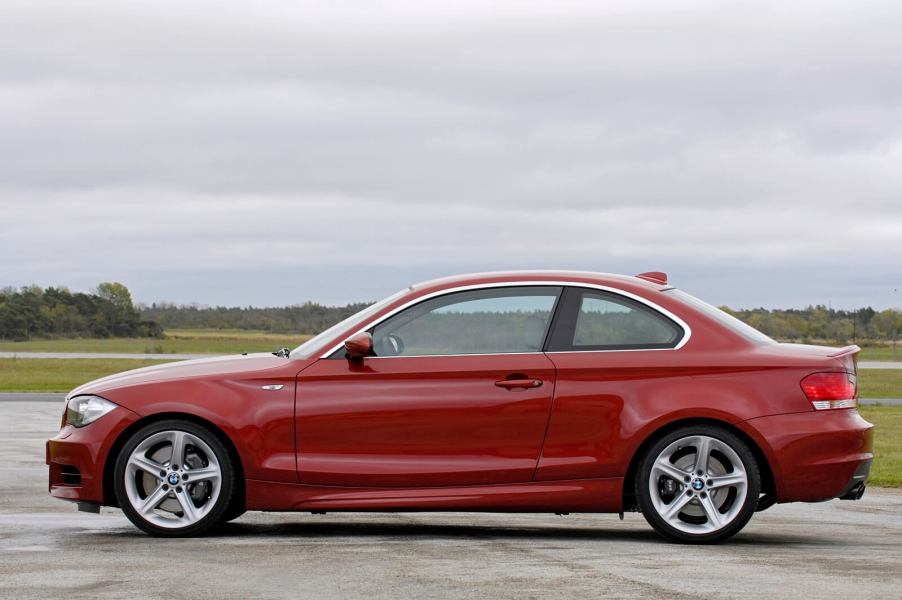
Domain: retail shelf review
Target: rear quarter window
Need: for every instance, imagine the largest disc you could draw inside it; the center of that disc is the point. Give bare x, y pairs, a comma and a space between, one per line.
598, 320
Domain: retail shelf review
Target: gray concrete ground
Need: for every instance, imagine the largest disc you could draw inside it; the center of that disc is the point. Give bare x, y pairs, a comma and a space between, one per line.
829, 550
875, 364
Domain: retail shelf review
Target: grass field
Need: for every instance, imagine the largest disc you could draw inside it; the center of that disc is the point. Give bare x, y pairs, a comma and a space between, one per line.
880, 383
887, 468
40, 375
879, 353
177, 341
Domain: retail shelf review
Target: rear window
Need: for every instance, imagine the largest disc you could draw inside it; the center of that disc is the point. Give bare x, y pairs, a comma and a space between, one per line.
725, 319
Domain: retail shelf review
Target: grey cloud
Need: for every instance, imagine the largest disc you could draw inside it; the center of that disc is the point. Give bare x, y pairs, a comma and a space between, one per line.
154, 140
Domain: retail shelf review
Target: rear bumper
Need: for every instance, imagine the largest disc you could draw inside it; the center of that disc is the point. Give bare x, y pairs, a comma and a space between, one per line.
854, 490
77, 456
817, 455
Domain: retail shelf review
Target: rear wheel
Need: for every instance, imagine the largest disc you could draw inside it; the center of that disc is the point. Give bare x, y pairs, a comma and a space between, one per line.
698, 484
174, 478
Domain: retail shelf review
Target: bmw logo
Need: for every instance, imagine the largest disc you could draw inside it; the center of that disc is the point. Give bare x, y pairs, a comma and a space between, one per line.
697, 484
173, 478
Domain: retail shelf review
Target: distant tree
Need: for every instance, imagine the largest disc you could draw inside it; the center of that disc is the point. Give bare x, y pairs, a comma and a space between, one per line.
57, 312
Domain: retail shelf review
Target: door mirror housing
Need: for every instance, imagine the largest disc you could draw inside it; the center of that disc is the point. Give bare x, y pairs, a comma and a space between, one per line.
359, 345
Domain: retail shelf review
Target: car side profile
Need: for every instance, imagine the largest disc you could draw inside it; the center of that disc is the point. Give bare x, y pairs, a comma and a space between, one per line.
508, 392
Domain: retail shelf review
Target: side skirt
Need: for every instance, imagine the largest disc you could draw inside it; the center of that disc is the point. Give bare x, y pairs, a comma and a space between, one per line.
580, 495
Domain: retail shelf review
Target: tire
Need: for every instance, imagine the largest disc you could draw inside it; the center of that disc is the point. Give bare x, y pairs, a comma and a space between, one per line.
233, 513
174, 498
685, 507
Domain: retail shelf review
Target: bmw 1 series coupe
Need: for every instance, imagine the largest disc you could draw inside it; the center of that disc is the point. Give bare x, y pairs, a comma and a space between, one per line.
550, 392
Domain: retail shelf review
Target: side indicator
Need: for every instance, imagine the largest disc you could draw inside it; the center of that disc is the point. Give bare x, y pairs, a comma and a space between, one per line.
273, 387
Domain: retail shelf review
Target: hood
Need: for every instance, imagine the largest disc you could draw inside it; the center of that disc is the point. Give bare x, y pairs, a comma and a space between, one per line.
186, 369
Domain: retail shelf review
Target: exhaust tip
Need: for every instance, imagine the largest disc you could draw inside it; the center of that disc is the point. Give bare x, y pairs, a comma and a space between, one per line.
855, 493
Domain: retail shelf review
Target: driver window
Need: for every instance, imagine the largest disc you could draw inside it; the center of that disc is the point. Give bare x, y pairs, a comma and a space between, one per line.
488, 321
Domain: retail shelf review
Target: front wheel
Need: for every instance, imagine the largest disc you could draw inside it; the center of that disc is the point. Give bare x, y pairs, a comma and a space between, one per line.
174, 478
698, 484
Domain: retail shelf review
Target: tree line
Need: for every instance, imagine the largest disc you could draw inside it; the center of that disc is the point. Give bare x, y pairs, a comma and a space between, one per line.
108, 311
816, 323
307, 318
55, 312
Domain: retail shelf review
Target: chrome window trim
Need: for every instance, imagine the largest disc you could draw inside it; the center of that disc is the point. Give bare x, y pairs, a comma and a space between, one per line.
687, 331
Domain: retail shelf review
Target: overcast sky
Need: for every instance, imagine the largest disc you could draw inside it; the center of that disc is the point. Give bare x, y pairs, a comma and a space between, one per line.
273, 152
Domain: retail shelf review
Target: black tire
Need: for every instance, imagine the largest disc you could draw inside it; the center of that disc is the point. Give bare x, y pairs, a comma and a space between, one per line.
234, 512
217, 511
742, 515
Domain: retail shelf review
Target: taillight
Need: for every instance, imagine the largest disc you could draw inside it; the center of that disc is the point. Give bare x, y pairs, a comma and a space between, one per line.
831, 390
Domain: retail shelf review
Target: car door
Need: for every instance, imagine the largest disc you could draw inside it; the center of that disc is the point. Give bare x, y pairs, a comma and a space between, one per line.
458, 393
611, 353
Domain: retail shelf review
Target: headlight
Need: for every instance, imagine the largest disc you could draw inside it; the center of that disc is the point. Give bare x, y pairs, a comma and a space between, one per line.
83, 410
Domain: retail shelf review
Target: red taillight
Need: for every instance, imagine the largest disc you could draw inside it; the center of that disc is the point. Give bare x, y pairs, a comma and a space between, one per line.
830, 390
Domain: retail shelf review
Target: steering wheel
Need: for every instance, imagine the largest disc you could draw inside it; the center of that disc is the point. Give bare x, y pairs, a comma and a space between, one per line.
389, 345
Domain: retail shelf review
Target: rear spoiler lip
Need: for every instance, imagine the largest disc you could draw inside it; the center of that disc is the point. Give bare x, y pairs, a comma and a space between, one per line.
853, 349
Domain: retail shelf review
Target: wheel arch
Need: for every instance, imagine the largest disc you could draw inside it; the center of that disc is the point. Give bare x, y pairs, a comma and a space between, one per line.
768, 485
109, 493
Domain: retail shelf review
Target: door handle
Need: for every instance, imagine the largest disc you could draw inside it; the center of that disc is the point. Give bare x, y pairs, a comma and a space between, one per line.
518, 384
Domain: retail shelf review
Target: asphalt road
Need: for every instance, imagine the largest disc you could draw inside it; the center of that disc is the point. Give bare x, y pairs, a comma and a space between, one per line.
47, 549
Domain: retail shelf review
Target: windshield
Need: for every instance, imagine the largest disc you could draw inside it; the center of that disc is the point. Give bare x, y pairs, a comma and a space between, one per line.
725, 319
318, 343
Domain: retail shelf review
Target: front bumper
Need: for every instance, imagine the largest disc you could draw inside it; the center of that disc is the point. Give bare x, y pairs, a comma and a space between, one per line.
817, 455
77, 457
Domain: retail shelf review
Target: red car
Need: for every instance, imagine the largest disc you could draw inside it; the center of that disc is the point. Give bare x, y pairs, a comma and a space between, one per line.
509, 392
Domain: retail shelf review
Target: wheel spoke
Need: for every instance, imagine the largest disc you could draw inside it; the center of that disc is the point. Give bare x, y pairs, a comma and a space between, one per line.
151, 467
203, 474
703, 451
666, 468
728, 480
715, 519
153, 500
677, 504
178, 448
187, 504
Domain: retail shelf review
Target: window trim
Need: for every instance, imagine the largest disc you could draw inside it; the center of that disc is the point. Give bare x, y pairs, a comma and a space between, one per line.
568, 316
687, 331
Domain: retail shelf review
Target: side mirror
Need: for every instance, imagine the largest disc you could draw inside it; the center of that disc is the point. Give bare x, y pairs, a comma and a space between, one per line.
359, 345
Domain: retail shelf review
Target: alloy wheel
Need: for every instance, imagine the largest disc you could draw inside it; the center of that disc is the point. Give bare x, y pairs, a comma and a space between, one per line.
173, 479
698, 484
